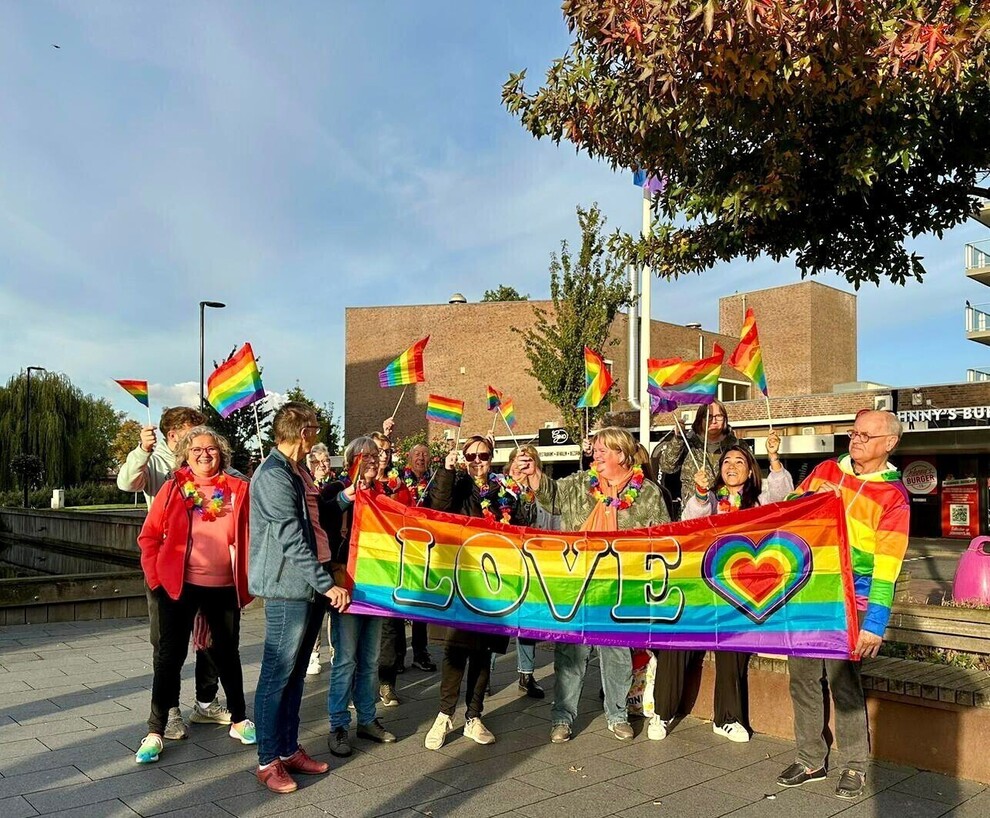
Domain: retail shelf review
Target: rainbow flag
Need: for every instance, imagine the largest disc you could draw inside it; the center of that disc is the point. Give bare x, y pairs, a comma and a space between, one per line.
494, 398
748, 356
447, 411
354, 472
659, 371
407, 368
508, 410
774, 579
597, 380
236, 383
136, 389
689, 381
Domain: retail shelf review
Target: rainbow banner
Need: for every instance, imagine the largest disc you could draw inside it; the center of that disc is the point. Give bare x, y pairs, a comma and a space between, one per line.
508, 410
775, 578
597, 380
494, 398
447, 411
747, 357
690, 381
136, 389
407, 368
659, 371
236, 383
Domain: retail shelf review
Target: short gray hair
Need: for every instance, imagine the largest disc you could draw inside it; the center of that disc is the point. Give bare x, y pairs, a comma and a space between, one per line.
359, 447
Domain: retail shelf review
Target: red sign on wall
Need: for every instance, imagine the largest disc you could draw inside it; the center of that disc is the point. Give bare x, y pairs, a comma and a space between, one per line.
960, 508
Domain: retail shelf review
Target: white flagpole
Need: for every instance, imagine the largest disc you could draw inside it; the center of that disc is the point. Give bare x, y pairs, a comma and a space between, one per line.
257, 422
401, 396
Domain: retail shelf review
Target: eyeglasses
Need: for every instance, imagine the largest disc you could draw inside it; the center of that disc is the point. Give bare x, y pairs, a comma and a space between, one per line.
212, 451
713, 418
483, 457
862, 437
316, 429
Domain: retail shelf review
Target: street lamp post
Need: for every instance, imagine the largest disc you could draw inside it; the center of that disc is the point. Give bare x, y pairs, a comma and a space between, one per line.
27, 422
202, 339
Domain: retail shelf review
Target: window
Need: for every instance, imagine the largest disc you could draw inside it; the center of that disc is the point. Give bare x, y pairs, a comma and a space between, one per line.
729, 391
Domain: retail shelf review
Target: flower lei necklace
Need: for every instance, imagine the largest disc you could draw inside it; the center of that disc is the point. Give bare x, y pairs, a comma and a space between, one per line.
207, 509
416, 485
503, 496
520, 490
727, 501
624, 500
392, 481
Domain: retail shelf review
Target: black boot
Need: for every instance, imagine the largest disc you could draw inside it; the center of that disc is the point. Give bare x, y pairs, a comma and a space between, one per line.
529, 686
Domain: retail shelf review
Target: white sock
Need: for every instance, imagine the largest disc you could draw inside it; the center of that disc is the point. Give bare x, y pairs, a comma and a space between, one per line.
204, 705
265, 766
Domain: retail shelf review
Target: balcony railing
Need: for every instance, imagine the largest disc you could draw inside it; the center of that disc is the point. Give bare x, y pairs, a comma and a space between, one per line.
977, 375
977, 255
977, 318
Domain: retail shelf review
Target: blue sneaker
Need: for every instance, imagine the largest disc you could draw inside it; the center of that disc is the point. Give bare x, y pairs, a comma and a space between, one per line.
149, 750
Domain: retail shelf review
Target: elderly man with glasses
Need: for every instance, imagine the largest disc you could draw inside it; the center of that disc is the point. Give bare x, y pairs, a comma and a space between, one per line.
877, 519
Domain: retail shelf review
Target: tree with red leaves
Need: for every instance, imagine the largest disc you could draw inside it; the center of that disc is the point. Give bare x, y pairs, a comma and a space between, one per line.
826, 130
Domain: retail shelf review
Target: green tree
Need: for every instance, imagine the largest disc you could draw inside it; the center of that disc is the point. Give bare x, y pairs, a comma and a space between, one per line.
504, 293
330, 431
438, 447
71, 432
587, 292
824, 129
126, 440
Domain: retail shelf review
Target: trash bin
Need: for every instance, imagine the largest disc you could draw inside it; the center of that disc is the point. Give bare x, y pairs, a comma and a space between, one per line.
972, 580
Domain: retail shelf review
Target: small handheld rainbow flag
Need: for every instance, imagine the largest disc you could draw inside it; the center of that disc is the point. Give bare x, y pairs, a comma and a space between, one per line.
407, 368
136, 389
354, 472
597, 380
494, 398
748, 356
236, 383
692, 381
447, 411
508, 410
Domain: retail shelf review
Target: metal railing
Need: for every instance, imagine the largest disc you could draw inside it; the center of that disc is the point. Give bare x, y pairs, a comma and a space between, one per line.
977, 317
977, 254
977, 375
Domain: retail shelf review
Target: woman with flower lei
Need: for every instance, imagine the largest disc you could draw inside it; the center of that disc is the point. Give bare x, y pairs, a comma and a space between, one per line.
613, 494
738, 485
473, 492
194, 546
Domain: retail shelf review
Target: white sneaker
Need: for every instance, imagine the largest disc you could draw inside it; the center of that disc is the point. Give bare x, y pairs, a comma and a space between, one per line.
438, 732
733, 731
657, 729
476, 731
313, 668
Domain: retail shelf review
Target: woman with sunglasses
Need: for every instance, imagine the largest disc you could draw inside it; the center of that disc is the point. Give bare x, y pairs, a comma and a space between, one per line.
194, 547
474, 492
739, 485
613, 494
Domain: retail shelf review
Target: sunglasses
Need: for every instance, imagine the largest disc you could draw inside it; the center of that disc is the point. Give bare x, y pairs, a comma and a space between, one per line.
483, 457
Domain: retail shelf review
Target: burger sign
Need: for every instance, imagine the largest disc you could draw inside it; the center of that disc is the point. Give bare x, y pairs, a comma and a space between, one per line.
920, 477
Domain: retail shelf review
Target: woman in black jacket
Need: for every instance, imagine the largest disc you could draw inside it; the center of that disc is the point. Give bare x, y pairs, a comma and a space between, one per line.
476, 492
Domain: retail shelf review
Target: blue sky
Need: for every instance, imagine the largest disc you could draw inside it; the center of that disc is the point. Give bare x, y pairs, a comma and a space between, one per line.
294, 159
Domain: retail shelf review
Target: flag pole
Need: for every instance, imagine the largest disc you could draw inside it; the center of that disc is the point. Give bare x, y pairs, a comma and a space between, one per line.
491, 432
507, 426
429, 483
148, 407
687, 445
401, 396
257, 422
769, 416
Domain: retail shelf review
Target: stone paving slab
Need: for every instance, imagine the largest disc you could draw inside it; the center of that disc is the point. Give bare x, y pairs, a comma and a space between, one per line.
74, 699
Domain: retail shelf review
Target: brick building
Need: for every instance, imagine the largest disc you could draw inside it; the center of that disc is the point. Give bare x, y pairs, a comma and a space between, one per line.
809, 340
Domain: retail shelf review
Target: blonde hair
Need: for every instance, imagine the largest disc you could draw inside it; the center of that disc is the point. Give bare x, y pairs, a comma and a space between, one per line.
185, 444
527, 449
618, 440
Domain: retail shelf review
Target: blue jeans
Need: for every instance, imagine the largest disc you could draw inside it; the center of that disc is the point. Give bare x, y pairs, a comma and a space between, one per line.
357, 640
291, 627
570, 663
525, 656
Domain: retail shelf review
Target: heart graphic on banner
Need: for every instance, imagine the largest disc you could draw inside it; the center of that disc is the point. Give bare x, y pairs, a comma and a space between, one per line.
757, 578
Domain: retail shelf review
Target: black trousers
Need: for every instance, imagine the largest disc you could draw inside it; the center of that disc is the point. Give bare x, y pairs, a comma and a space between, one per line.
175, 624
393, 648
476, 664
207, 676
731, 684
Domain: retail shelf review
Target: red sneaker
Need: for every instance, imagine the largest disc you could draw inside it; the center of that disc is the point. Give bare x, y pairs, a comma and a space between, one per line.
275, 777
299, 762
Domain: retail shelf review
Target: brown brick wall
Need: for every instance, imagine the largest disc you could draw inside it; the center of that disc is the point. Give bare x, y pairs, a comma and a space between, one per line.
807, 333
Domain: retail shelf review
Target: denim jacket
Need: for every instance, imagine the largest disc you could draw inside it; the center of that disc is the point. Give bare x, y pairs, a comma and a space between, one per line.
282, 561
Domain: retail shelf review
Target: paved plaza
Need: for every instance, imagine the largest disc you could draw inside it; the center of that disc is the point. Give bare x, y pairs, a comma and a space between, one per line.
74, 698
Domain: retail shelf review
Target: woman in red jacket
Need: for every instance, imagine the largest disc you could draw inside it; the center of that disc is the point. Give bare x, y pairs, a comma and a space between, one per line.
194, 546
